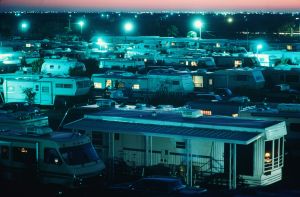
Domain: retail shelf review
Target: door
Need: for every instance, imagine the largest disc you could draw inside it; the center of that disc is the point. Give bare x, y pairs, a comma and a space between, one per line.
46, 93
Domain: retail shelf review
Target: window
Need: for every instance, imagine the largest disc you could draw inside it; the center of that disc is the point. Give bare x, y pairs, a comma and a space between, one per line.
68, 86
117, 136
51, 156
4, 152
108, 83
24, 154
238, 63
210, 81
97, 138
59, 85
198, 81
180, 145
175, 82
292, 78
51, 66
273, 154
45, 89
98, 85
241, 77
136, 86
37, 88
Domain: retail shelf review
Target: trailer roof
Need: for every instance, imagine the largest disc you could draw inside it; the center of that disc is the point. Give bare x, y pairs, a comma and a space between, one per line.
226, 136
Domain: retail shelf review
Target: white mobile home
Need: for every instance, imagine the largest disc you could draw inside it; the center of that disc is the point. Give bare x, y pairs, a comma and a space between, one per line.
120, 64
47, 90
61, 66
252, 150
229, 78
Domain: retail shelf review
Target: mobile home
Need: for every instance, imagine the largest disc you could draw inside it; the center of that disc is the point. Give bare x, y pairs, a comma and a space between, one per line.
47, 90
184, 139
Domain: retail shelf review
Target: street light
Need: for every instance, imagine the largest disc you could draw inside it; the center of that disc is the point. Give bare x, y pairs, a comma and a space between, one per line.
258, 47
128, 26
229, 20
199, 24
81, 24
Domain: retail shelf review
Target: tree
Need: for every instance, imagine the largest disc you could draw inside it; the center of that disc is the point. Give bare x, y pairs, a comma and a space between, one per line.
191, 34
76, 71
37, 65
29, 95
172, 31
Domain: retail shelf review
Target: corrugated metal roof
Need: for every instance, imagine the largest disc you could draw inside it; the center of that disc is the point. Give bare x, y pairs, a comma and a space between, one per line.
165, 131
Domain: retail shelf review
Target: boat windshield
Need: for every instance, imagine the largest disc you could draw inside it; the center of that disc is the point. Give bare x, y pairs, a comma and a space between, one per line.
76, 155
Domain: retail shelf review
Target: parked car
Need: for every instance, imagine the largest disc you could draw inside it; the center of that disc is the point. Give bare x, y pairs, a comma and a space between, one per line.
157, 186
207, 97
239, 99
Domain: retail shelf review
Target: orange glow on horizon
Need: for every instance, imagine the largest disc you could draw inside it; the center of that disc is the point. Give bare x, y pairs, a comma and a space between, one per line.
161, 5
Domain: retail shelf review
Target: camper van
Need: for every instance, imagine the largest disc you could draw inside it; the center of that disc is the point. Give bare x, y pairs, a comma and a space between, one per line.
47, 90
42, 156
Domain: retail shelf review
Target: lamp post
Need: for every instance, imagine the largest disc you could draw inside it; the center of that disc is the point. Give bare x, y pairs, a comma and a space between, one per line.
258, 47
128, 27
81, 24
24, 26
198, 24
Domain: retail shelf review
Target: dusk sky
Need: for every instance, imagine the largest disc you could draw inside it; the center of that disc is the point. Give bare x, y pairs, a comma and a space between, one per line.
153, 5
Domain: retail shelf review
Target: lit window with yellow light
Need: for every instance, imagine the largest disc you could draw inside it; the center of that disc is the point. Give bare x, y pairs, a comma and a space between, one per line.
98, 85
136, 86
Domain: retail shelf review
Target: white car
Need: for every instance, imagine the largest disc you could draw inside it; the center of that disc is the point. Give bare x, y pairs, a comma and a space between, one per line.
239, 99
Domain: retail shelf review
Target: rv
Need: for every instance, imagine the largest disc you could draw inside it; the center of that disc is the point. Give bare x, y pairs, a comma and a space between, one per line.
61, 66
39, 155
229, 78
185, 141
168, 80
47, 90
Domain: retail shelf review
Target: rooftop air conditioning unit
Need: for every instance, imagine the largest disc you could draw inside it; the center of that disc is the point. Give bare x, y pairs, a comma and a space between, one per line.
191, 113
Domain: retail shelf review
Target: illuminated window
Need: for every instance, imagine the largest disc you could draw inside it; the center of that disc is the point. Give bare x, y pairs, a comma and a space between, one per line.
51, 156
145, 60
210, 81
206, 112
136, 86
194, 63
22, 154
273, 158
186, 63
198, 81
98, 85
289, 47
237, 63
218, 45
108, 83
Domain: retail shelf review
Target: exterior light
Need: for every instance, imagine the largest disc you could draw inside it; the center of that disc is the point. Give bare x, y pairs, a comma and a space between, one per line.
198, 24
259, 47
268, 158
128, 26
230, 20
81, 24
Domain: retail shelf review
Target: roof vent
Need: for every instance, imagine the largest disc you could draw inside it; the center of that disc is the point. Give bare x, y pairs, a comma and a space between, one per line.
105, 103
191, 113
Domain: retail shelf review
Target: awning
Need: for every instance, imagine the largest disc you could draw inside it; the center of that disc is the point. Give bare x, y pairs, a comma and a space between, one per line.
227, 136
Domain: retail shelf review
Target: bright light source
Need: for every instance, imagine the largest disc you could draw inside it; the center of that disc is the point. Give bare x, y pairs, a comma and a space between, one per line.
259, 46
81, 23
128, 26
230, 20
198, 24
24, 25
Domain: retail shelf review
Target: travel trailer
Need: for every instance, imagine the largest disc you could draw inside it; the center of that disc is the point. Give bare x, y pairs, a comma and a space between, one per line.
47, 90
185, 141
61, 66
120, 64
156, 80
229, 78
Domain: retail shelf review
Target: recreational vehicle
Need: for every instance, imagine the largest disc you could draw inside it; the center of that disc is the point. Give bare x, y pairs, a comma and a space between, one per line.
47, 90
230, 78
61, 66
39, 155
200, 147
